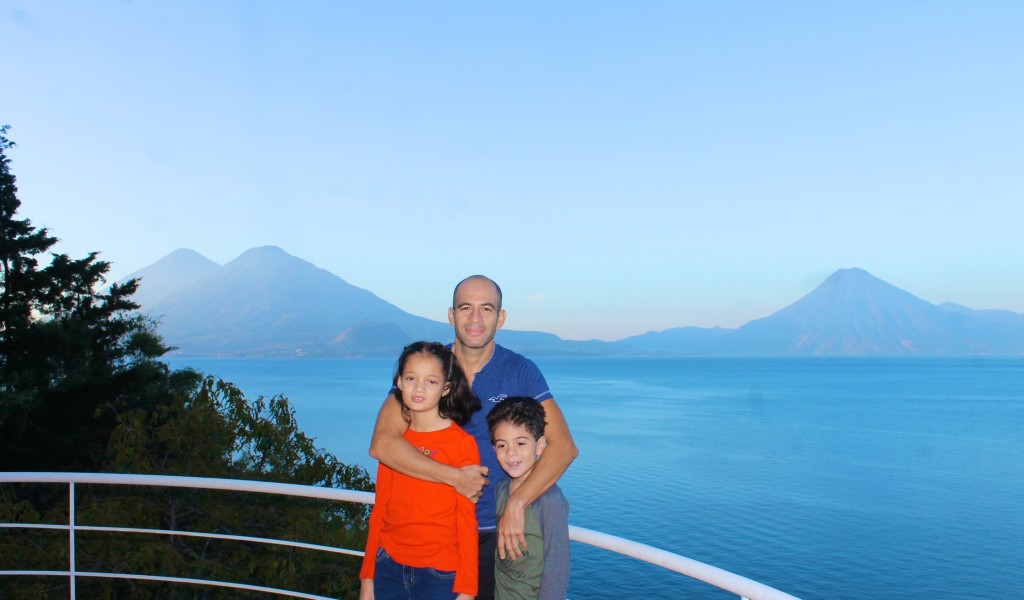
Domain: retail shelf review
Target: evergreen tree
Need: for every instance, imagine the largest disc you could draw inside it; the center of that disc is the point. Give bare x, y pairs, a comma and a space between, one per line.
71, 357
82, 388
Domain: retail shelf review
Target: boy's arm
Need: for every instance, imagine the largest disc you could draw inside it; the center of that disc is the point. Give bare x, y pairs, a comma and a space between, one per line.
552, 512
561, 451
389, 447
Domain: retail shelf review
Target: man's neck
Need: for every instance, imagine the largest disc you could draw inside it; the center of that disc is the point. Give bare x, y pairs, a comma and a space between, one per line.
472, 359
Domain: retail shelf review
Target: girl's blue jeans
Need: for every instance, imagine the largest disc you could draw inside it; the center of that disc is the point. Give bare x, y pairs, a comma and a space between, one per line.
394, 581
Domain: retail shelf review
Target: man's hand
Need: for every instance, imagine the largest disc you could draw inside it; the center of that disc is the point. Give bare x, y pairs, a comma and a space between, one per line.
470, 481
511, 531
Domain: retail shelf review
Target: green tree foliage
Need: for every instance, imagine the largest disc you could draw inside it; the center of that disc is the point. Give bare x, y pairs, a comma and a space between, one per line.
210, 431
82, 388
215, 432
71, 358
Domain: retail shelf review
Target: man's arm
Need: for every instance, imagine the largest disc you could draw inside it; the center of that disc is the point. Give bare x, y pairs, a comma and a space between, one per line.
389, 447
561, 451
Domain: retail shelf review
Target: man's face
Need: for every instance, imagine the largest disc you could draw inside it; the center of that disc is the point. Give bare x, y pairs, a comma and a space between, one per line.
476, 315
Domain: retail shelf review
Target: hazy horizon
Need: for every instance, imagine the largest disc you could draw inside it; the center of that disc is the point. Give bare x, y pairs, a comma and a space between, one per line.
176, 258
616, 168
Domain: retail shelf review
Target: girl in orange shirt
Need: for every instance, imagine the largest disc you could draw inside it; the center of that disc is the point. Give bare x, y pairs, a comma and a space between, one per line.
422, 543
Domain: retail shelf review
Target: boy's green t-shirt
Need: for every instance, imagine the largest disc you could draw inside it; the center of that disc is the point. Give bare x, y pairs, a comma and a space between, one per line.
547, 541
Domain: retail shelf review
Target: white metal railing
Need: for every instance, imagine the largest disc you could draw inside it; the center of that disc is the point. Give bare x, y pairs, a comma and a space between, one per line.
747, 589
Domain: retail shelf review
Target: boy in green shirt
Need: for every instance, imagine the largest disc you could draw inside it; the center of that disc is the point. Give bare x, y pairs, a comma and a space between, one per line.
542, 573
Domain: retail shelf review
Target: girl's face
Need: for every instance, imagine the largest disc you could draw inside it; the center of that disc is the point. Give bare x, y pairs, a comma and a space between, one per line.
422, 383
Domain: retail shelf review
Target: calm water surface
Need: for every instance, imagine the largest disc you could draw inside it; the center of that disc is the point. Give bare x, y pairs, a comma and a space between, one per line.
826, 478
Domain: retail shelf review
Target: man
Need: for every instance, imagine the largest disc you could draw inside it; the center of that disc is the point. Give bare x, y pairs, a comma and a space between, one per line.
495, 373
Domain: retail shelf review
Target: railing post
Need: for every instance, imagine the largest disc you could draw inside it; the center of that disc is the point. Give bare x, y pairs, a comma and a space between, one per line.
71, 538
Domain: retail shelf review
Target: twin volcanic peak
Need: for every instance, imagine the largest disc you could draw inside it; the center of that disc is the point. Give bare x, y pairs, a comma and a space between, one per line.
267, 302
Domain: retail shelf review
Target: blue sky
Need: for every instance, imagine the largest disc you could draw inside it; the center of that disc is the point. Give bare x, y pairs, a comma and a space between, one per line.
617, 167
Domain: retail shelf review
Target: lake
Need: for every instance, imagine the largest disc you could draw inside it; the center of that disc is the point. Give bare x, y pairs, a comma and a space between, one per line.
823, 477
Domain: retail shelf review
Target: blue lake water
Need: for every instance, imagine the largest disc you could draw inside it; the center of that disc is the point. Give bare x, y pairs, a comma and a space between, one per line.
826, 478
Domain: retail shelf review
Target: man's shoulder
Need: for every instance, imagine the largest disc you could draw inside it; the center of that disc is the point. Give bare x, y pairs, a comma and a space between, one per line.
509, 374
507, 356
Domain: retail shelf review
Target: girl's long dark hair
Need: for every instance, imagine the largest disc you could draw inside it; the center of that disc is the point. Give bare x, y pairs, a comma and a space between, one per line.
459, 403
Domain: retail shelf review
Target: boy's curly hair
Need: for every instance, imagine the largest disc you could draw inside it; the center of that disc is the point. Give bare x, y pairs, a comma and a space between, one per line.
518, 410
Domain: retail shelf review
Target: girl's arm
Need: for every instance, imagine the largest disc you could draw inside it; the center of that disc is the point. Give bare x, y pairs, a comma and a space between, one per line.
466, 532
560, 453
365, 589
389, 447
380, 506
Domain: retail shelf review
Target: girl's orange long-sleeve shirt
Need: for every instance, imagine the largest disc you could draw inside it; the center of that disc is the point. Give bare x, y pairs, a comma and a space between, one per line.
425, 524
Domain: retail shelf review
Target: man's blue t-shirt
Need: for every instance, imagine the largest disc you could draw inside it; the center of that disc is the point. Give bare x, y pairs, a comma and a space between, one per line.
506, 374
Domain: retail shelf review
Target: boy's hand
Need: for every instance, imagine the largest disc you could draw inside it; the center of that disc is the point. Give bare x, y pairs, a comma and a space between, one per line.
511, 531
470, 481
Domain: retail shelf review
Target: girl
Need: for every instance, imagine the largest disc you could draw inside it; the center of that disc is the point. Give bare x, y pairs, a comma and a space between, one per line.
422, 542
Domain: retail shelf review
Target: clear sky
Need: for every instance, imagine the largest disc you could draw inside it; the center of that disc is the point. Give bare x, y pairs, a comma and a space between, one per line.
618, 167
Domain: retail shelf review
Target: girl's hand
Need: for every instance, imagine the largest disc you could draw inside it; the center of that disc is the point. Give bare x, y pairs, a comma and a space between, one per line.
464, 597
365, 589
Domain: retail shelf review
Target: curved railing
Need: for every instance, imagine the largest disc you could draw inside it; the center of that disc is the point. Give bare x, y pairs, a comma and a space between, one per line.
747, 589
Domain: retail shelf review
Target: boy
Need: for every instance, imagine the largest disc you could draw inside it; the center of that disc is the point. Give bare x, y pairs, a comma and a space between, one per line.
542, 573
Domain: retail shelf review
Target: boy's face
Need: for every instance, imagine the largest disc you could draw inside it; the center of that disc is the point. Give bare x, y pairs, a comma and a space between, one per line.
517, 449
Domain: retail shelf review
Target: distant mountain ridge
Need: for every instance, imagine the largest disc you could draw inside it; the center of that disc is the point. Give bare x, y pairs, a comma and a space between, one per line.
854, 313
172, 273
269, 303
